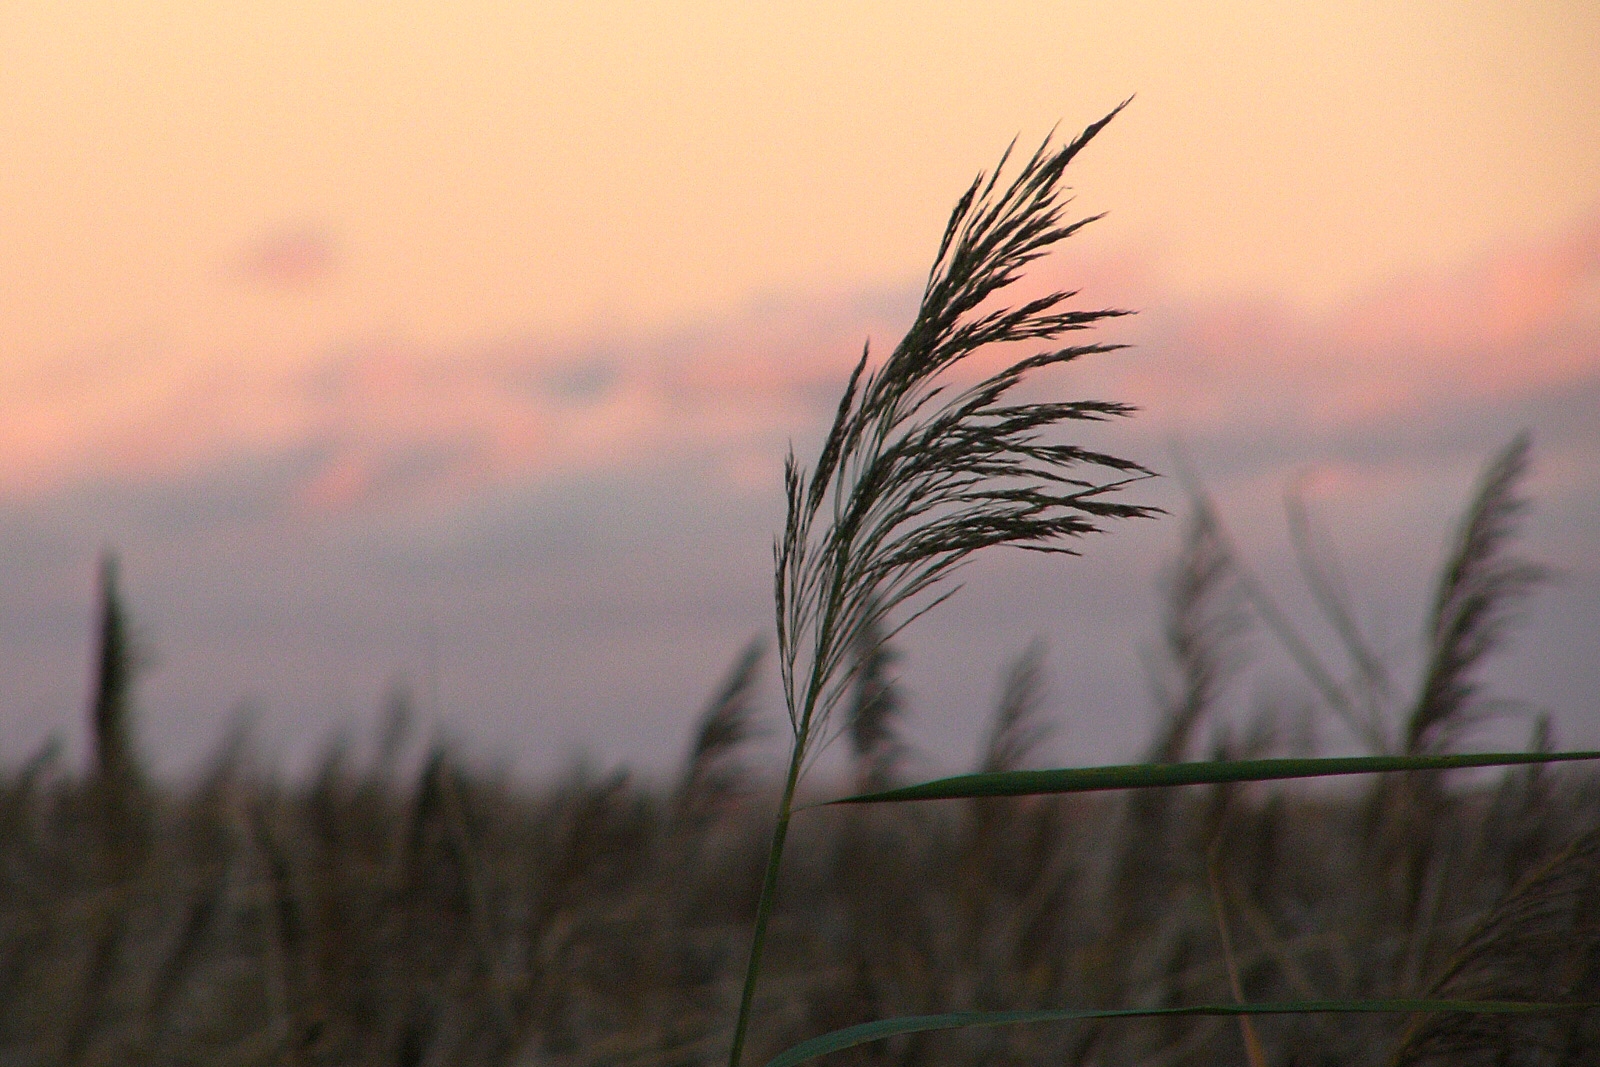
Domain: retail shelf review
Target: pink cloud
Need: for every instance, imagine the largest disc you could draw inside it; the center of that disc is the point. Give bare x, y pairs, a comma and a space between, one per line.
1514, 324
394, 421
1505, 299
291, 259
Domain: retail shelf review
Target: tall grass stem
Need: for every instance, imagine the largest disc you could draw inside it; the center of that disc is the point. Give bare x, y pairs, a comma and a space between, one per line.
769, 890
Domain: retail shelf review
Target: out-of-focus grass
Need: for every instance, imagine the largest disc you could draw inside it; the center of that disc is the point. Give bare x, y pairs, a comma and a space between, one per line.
366, 916
452, 918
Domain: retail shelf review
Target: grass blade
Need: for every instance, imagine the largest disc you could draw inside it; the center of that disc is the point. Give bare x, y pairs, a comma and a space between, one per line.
1213, 772
851, 1036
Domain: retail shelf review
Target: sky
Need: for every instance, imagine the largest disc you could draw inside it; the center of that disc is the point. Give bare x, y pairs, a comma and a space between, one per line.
459, 346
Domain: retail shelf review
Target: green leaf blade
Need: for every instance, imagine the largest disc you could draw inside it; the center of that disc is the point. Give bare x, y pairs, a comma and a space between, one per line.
1216, 772
851, 1036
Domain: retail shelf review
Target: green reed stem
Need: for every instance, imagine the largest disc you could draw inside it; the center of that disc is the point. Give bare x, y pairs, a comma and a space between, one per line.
769, 891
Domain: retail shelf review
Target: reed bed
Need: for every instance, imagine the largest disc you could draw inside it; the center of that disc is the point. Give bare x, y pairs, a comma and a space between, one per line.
446, 916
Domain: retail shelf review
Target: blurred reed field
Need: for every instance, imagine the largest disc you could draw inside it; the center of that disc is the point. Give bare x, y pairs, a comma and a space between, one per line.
375, 914
372, 915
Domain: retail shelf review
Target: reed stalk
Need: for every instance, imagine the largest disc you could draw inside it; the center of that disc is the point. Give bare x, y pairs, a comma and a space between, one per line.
918, 471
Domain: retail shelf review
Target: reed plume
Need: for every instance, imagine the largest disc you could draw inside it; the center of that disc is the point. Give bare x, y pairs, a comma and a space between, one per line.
1477, 595
919, 471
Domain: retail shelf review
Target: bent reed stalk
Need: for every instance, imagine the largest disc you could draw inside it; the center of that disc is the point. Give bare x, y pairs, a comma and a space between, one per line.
919, 472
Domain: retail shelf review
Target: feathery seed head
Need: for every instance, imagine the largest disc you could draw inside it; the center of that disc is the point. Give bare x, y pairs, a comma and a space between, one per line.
919, 472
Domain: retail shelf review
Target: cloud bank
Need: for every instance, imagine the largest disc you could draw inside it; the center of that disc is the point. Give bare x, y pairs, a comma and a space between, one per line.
563, 538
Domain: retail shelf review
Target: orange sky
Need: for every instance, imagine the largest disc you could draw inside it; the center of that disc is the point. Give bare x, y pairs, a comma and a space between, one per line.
468, 169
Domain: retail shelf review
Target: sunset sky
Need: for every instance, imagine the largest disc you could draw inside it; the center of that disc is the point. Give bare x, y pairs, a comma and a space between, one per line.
461, 344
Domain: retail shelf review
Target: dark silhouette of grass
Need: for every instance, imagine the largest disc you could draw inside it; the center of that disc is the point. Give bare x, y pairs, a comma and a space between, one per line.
919, 472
